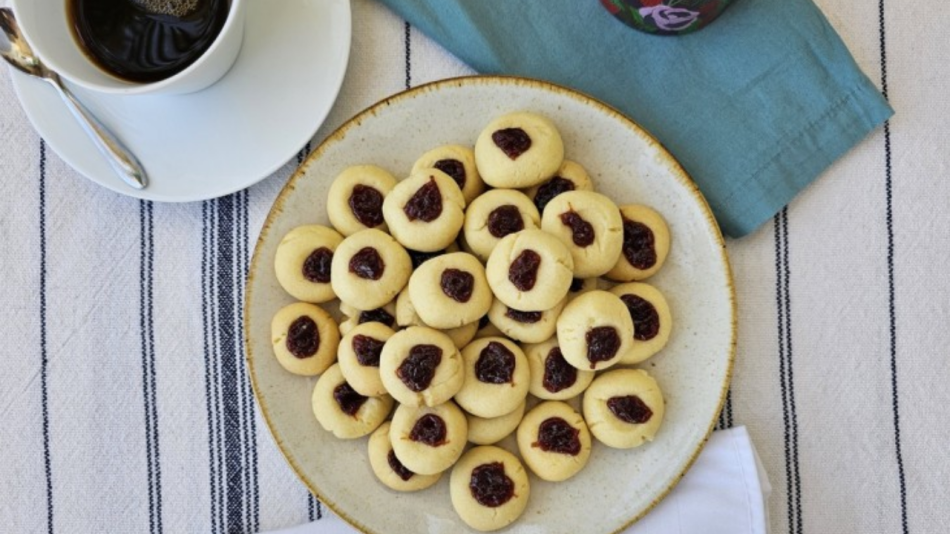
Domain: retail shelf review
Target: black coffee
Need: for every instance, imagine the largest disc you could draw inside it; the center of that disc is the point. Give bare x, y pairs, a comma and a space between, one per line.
146, 40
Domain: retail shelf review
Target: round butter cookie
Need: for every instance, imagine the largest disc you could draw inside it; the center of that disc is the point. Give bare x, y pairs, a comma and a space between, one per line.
624, 408
570, 177
525, 326
358, 356
589, 225
595, 331
302, 262
369, 269
421, 366
494, 215
646, 243
554, 441
652, 320
406, 316
486, 431
458, 162
304, 338
344, 412
425, 211
389, 470
355, 199
428, 439
530, 270
518, 150
450, 291
489, 488
552, 378
496, 377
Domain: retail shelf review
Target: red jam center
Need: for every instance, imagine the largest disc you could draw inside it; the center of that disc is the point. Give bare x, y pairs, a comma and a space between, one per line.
558, 374
505, 220
316, 268
418, 369
646, 320
583, 231
454, 168
367, 264
523, 272
429, 429
639, 247
457, 285
348, 399
603, 342
550, 189
557, 435
367, 350
426, 204
379, 315
630, 409
526, 317
490, 486
303, 337
495, 364
512, 141
397, 467
366, 203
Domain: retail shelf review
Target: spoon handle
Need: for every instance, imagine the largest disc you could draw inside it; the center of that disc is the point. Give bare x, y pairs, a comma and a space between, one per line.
125, 164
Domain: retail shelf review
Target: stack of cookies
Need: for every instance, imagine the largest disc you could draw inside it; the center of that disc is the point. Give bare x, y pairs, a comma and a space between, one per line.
491, 292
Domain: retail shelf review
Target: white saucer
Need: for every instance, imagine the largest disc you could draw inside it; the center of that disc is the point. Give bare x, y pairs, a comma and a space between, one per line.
230, 136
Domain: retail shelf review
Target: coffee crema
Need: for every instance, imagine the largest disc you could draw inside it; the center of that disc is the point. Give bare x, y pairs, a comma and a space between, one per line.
146, 41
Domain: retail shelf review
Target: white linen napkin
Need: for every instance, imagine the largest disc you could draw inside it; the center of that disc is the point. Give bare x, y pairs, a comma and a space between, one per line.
723, 493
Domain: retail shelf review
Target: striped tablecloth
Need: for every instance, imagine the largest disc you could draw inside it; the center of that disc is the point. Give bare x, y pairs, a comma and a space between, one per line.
125, 404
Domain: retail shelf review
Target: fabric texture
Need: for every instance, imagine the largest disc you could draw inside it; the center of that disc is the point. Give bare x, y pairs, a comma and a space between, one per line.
754, 106
724, 492
124, 403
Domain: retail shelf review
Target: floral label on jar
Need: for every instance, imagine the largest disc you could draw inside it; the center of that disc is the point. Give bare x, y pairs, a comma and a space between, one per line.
666, 17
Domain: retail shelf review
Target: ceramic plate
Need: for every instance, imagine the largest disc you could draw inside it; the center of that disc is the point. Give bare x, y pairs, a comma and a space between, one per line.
233, 134
617, 486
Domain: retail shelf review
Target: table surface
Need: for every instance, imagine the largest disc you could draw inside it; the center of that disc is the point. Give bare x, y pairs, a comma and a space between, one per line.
148, 423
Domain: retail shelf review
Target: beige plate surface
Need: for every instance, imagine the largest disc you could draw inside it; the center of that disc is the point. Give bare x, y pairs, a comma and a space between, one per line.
617, 487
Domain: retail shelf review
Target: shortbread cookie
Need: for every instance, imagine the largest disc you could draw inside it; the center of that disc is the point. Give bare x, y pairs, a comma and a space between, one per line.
530, 270
570, 177
525, 326
552, 378
302, 262
304, 338
385, 314
518, 150
450, 291
652, 320
496, 377
355, 199
425, 211
595, 331
358, 356
487, 431
389, 470
369, 269
428, 440
554, 441
589, 225
494, 215
489, 488
406, 316
344, 412
646, 243
421, 366
459, 163
624, 408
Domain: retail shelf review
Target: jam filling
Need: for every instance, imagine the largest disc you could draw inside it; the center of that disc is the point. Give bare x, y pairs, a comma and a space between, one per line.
417, 370
430, 430
367, 350
505, 220
550, 189
397, 467
454, 168
583, 231
512, 141
639, 246
495, 364
316, 268
490, 486
558, 374
418, 258
303, 337
367, 264
603, 342
646, 320
526, 317
483, 322
457, 285
523, 272
630, 409
557, 435
349, 400
366, 203
379, 315
426, 204
577, 284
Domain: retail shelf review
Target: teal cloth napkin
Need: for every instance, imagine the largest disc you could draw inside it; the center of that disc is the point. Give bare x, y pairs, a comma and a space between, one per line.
754, 106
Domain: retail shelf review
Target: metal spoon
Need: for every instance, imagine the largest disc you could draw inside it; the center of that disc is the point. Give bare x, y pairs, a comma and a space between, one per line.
14, 49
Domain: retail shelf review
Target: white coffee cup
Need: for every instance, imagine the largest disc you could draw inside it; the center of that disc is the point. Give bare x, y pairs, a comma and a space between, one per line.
46, 26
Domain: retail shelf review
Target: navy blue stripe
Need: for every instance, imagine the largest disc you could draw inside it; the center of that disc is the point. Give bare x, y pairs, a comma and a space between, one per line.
791, 373
892, 312
780, 309
408, 44
210, 373
251, 423
146, 270
44, 355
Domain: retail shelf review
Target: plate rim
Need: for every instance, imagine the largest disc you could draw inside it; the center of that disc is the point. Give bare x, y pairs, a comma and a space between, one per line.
678, 172
18, 79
